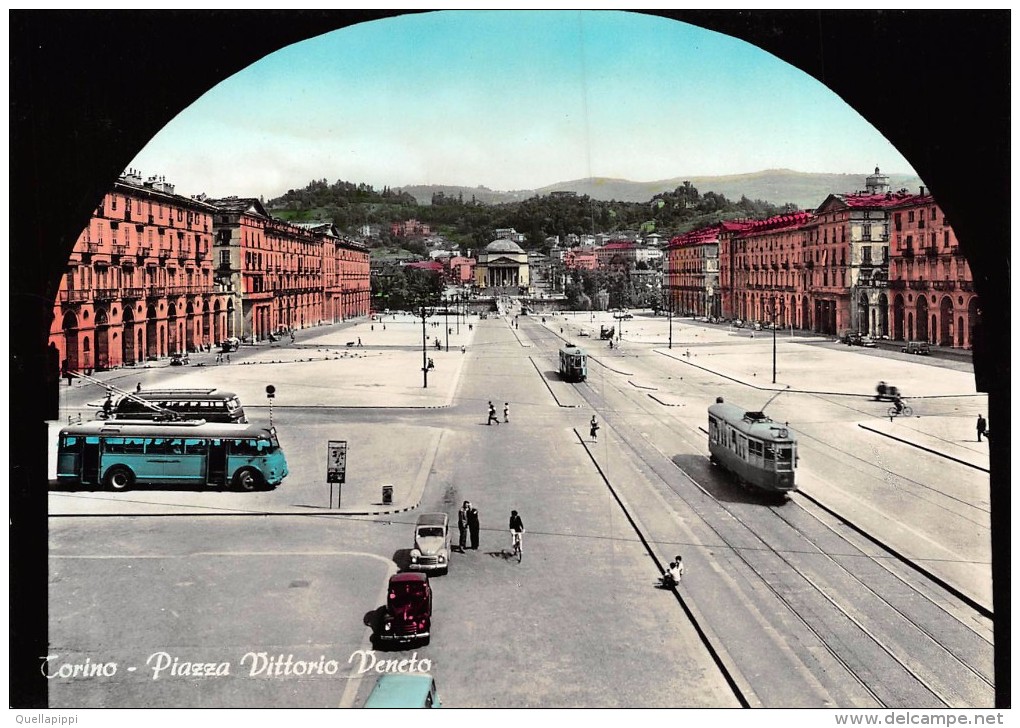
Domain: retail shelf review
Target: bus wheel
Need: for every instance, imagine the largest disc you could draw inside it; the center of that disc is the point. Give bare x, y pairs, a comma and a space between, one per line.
119, 478
247, 479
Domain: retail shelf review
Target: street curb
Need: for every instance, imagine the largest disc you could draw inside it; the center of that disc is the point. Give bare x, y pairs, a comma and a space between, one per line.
546, 383
741, 687
787, 388
664, 404
922, 447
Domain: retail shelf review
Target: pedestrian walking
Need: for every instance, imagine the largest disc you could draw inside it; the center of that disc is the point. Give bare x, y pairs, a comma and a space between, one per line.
359, 341
462, 348
462, 524
108, 404
506, 412
473, 525
982, 426
492, 414
138, 388
594, 434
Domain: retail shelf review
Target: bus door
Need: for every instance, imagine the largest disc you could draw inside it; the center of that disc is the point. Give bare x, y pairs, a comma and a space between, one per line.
90, 461
217, 472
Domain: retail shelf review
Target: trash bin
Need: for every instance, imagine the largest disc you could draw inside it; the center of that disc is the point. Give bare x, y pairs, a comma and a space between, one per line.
387, 495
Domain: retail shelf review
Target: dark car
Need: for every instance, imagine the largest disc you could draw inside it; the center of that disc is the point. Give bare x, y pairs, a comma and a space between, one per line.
231, 343
852, 338
408, 615
916, 347
177, 360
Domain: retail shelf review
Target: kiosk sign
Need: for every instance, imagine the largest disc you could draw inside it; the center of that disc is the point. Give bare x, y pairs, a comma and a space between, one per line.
336, 461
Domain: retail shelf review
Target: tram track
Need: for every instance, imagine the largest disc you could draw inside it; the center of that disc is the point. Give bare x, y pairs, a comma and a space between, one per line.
940, 691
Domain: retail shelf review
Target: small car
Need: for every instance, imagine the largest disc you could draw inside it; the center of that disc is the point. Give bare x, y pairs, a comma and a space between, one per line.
916, 347
868, 343
851, 338
230, 344
756, 326
177, 360
408, 611
431, 550
738, 324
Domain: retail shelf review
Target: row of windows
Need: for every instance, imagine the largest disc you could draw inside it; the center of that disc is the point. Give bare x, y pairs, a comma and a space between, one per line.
170, 446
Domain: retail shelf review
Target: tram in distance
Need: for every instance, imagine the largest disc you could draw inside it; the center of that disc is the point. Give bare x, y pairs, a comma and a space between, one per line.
121, 454
573, 363
762, 454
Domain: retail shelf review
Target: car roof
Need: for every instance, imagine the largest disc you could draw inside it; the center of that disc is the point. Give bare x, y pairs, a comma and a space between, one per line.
433, 519
408, 576
396, 690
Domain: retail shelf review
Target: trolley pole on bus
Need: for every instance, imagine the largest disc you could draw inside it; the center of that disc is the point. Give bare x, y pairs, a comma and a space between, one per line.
270, 395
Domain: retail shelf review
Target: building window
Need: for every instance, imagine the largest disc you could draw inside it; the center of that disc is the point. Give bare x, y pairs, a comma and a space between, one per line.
866, 252
945, 238
910, 216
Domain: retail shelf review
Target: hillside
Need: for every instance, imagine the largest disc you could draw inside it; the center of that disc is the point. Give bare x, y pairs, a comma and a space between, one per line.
778, 186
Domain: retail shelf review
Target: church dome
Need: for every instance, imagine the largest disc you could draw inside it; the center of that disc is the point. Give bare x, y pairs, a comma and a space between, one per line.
504, 246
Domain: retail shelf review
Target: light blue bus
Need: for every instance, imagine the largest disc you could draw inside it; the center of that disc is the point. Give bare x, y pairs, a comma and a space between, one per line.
120, 454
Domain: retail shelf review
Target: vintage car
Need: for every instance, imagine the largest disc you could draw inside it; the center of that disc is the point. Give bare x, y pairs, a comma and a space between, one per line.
916, 347
399, 690
431, 550
854, 338
178, 360
408, 612
607, 332
230, 344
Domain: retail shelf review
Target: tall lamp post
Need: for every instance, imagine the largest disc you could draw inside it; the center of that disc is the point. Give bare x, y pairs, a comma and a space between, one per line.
773, 339
424, 351
446, 319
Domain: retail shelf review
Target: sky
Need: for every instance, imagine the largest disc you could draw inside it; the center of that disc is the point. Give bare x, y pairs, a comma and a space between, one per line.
510, 100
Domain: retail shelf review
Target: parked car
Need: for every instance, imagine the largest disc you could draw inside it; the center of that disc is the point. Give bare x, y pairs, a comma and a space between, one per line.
397, 690
852, 338
408, 611
867, 342
177, 360
756, 326
231, 343
431, 550
916, 347
737, 323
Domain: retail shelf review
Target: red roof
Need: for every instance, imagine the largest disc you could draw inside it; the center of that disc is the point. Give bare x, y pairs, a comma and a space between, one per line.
427, 265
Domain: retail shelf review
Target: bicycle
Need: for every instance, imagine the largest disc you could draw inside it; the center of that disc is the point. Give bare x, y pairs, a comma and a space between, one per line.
518, 544
906, 411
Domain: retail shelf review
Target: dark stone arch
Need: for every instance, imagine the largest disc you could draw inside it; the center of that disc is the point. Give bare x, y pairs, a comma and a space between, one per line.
55, 58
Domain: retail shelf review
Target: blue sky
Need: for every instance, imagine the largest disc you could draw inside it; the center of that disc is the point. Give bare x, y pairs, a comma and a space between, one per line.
510, 100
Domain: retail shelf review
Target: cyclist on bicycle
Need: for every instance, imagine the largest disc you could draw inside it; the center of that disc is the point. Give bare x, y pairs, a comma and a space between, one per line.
516, 530
898, 404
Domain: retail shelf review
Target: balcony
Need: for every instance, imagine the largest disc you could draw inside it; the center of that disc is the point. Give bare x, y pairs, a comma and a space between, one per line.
144, 250
132, 293
897, 285
918, 285
967, 286
908, 252
931, 251
946, 285
105, 294
156, 292
76, 296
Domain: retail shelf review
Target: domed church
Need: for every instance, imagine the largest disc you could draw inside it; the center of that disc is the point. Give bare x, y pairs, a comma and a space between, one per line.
503, 264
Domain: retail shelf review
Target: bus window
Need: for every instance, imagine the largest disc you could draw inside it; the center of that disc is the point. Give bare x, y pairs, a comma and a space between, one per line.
754, 448
770, 453
196, 447
70, 442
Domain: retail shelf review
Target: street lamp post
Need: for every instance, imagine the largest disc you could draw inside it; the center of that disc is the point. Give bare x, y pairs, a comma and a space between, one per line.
424, 352
446, 320
773, 340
